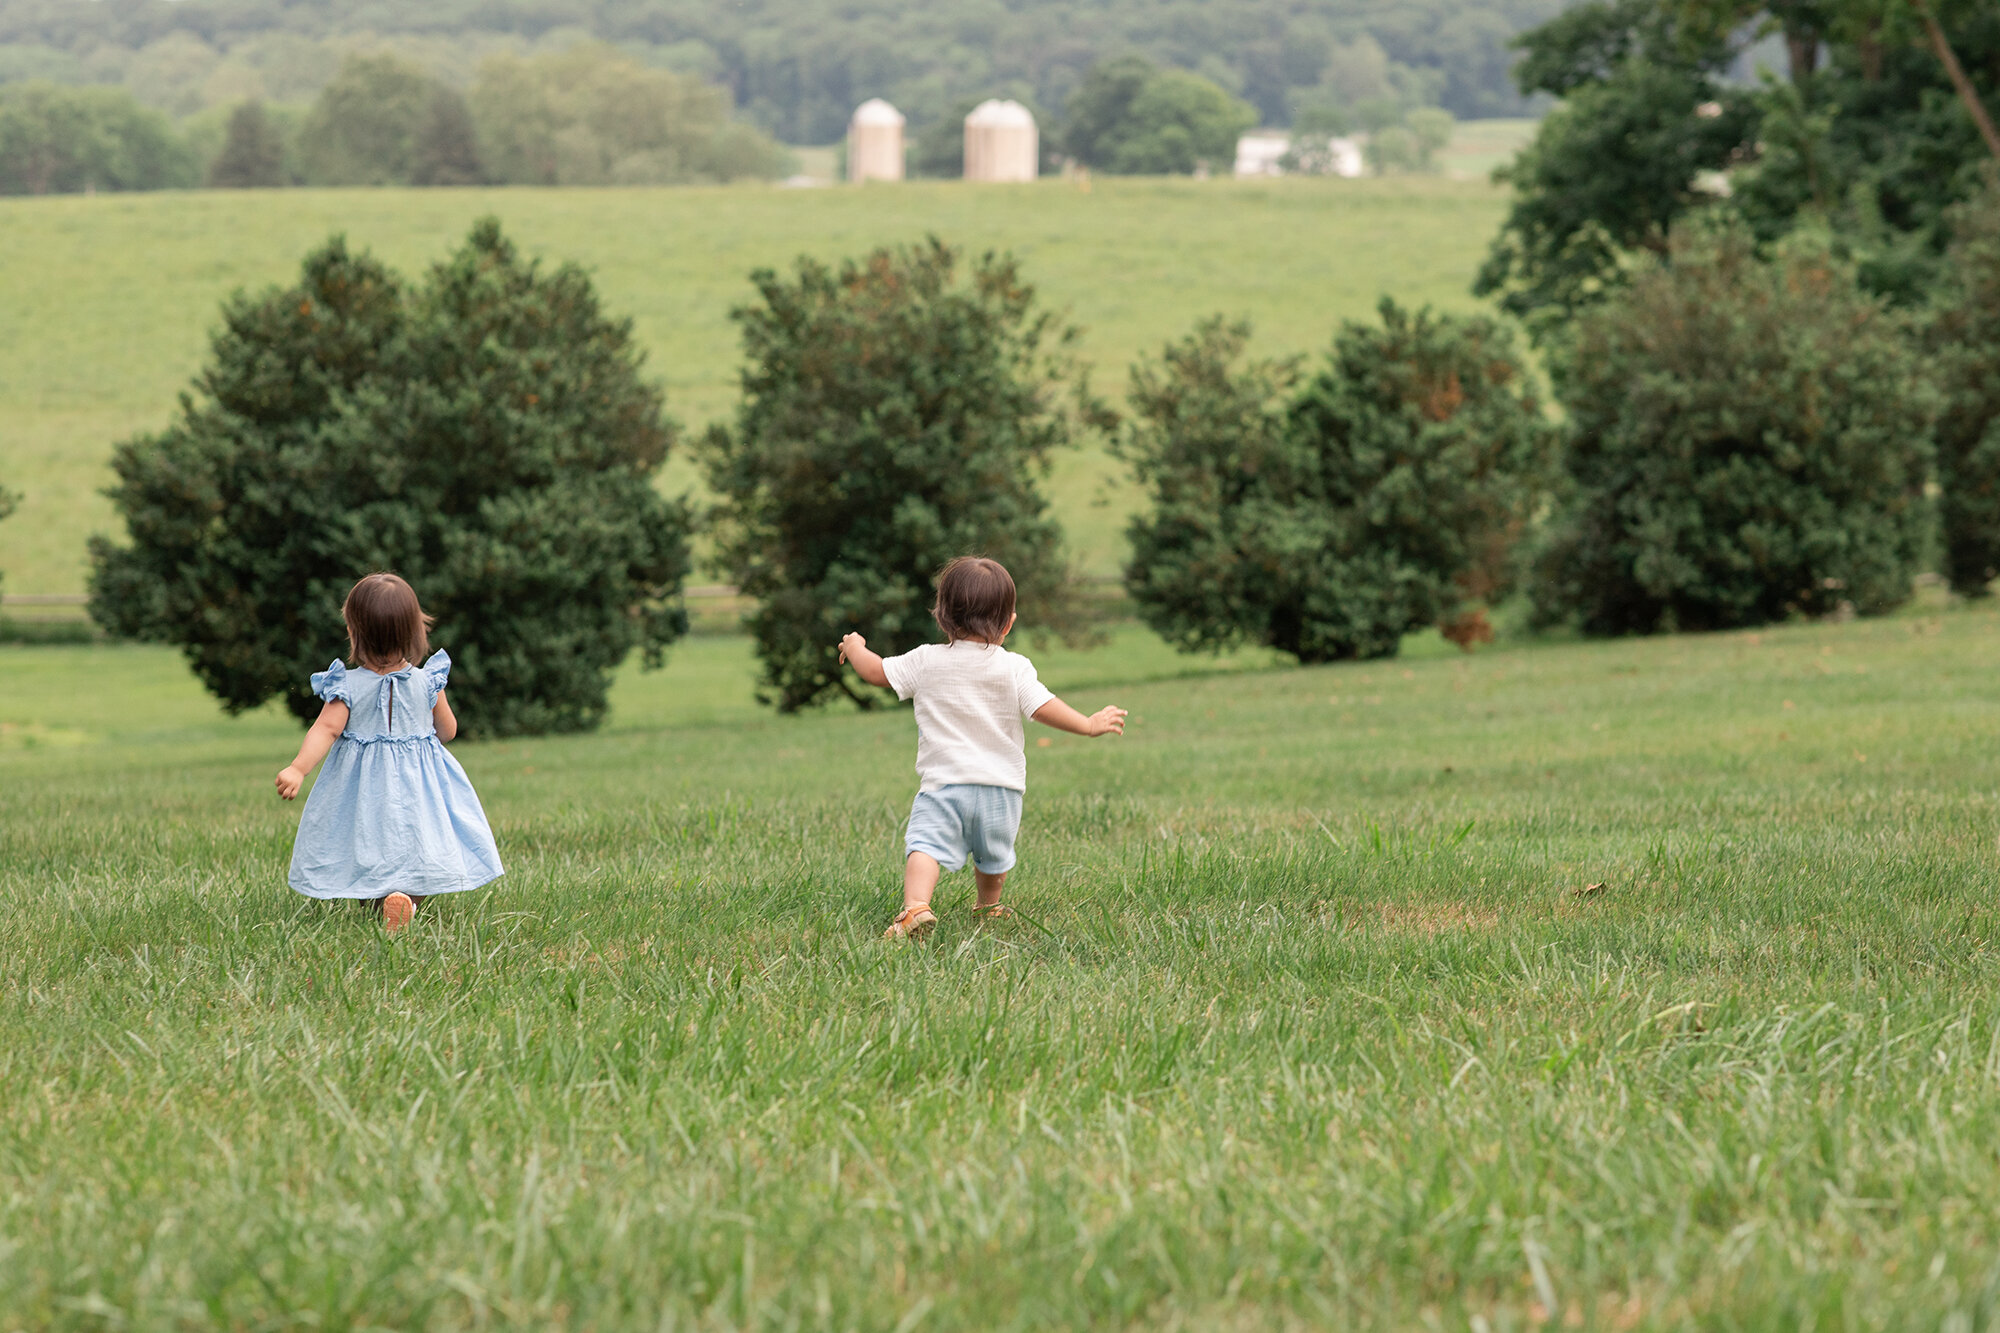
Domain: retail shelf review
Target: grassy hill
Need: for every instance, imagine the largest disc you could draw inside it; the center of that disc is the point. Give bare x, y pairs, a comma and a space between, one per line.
1308, 1022
105, 302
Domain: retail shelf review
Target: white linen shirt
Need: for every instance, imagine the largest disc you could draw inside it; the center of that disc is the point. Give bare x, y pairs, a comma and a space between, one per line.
971, 698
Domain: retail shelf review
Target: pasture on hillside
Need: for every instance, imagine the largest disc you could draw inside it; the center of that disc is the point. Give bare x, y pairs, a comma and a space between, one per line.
1311, 1018
106, 302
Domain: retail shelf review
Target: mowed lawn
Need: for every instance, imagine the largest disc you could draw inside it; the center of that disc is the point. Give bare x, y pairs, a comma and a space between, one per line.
1308, 1021
106, 303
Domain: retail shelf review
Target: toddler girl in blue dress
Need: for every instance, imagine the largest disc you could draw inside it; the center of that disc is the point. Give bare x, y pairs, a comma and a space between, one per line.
393, 817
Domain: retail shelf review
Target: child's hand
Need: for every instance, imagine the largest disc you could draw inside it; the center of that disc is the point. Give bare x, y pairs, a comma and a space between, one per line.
289, 782
851, 645
1106, 720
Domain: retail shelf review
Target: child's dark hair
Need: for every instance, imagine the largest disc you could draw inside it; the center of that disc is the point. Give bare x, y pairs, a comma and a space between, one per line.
385, 622
975, 599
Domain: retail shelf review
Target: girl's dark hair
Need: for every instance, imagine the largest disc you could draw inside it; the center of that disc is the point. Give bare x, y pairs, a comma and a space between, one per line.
385, 623
975, 599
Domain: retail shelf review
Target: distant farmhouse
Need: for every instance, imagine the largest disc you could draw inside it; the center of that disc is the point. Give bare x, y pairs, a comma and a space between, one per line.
1264, 153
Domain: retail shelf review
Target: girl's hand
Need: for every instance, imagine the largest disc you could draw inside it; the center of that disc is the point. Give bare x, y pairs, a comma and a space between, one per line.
1106, 720
851, 645
289, 782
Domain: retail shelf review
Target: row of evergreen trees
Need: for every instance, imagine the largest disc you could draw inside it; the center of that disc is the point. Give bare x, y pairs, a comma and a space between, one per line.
1744, 437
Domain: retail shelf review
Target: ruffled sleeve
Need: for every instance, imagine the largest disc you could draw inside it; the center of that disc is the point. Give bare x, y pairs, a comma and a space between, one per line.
331, 684
437, 671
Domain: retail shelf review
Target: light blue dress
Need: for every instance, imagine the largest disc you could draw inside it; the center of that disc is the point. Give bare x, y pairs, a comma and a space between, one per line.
391, 811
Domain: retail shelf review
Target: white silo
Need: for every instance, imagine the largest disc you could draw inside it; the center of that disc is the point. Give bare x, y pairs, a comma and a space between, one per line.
1001, 142
875, 142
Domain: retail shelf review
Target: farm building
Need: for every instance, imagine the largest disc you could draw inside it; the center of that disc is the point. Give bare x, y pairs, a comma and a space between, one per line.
1261, 153
875, 142
1002, 142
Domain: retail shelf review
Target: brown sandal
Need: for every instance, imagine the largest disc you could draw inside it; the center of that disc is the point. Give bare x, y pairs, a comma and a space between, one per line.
992, 912
912, 923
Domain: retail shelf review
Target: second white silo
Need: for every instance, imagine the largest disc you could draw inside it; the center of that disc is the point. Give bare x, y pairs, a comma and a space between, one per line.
875, 142
1001, 142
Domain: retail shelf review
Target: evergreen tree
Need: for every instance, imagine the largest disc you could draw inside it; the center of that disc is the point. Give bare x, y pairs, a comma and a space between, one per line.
1747, 441
487, 435
897, 411
253, 152
1329, 515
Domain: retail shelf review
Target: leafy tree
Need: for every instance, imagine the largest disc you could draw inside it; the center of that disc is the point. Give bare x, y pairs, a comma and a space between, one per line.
363, 129
1964, 340
487, 434
1412, 143
1321, 121
1133, 118
1645, 114
1314, 130
253, 151
897, 412
1432, 129
1355, 72
591, 116
446, 147
1328, 515
1746, 441
1870, 135
1101, 107
62, 140
939, 150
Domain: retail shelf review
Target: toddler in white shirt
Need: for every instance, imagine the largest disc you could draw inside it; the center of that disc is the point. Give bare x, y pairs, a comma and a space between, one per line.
972, 768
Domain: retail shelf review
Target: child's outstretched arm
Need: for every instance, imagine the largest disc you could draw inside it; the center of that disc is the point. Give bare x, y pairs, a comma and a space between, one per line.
325, 730
443, 719
1106, 720
867, 664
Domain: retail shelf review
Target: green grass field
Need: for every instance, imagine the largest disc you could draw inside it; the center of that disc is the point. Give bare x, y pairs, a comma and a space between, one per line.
1305, 1023
106, 302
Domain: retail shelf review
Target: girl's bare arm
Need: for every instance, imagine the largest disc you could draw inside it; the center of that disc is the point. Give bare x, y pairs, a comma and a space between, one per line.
325, 730
443, 719
867, 663
1106, 720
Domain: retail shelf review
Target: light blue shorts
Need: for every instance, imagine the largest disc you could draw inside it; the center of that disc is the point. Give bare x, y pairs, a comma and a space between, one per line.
955, 823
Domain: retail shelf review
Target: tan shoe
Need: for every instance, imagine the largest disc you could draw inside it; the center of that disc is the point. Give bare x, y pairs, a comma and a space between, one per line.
397, 909
912, 923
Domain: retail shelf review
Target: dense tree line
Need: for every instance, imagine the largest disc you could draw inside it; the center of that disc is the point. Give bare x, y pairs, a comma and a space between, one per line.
588, 115
57, 140
797, 69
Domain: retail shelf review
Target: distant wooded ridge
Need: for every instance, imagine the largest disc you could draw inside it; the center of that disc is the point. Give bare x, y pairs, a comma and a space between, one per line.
793, 67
